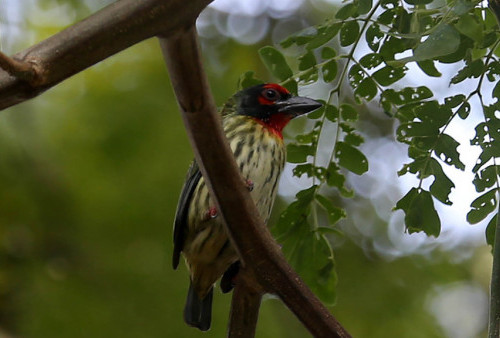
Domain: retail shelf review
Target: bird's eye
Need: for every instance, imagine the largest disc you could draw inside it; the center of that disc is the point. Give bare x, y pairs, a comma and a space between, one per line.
271, 94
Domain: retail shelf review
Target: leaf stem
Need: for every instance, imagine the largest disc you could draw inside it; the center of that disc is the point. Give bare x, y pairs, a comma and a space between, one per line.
494, 320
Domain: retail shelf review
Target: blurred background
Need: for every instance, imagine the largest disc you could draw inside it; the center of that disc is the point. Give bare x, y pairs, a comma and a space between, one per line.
90, 174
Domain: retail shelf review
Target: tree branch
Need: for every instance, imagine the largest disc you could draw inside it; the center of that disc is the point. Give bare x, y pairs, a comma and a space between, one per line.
107, 32
255, 245
245, 305
19, 69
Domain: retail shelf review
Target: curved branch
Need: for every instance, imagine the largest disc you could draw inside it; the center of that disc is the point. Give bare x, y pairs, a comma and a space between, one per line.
253, 241
245, 305
107, 32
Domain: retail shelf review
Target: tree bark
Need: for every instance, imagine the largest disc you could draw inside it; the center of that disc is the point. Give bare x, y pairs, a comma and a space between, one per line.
244, 306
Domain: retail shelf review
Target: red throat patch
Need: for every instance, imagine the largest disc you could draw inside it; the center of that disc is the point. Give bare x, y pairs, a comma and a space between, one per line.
276, 123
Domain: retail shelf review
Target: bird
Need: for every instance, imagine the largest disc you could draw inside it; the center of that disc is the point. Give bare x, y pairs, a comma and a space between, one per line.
253, 120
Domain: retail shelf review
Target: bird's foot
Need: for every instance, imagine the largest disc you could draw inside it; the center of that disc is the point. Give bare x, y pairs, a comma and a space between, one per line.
249, 184
211, 213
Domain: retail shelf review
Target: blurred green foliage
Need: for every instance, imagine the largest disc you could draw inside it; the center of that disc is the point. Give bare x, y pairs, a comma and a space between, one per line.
89, 179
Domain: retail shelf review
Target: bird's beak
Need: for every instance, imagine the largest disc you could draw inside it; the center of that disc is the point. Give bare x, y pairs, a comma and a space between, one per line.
297, 105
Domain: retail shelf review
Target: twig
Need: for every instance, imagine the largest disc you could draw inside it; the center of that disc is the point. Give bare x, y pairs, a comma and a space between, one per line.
252, 240
107, 32
19, 69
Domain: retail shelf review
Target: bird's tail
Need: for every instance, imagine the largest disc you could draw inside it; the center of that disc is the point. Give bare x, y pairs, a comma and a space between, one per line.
198, 312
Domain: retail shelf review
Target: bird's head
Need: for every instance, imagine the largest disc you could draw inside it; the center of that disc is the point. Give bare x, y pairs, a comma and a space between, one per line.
272, 105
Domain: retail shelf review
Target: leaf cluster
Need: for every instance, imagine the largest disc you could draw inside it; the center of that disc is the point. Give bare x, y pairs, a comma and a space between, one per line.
460, 32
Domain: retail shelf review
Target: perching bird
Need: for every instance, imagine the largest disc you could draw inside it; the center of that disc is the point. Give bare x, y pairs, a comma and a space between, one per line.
253, 120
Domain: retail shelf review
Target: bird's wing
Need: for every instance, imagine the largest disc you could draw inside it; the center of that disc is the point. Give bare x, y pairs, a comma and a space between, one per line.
181, 216
228, 108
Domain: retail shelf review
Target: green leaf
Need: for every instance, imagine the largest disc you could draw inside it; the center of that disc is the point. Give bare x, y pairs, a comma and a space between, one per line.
356, 75
491, 231
354, 139
469, 26
364, 6
443, 40
367, 89
307, 251
325, 34
408, 130
329, 70
419, 165
275, 62
311, 256
387, 16
247, 80
329, 230
420, 214
334, 213
405, 96
328, 53
300, 38
331, 113
496, 91
462, 6
453, 101
482, 207
298, 153
335, 178
388, 75
295, 215
348, 112
446, 150
292, 86
371, 60
306, 61
490, 150
309, 76
429, 68
347, 11
318, 112
442, 185
301, 169
349, 33
307, 195
464, 110
486, 178
393, 46
471, 69
433, 114
351, 158
373, 37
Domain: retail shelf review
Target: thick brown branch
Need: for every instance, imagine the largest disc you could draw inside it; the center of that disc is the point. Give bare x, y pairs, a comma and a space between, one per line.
249, 235
18, 69
245, 305
113, 29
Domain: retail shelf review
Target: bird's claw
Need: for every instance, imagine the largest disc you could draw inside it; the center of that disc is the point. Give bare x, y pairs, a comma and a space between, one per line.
249, 184
211, 213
